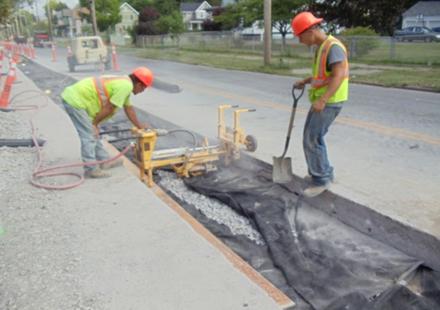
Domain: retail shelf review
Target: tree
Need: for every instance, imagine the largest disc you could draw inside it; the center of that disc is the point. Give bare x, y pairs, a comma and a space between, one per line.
166, 7
240, 14
382, 16
139, 5
245, 12
107, 13
170, 23
147, 18
152, 21
282, 13
5, 11
8, 6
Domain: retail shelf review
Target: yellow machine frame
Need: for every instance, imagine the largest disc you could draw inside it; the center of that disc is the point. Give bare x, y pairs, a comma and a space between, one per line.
186, 162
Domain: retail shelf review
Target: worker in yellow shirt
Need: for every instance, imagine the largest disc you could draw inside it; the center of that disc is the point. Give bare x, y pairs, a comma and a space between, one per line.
95, 99
327, 94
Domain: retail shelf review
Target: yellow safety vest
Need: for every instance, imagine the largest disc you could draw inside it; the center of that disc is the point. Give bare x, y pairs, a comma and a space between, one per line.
103, 95
321, 76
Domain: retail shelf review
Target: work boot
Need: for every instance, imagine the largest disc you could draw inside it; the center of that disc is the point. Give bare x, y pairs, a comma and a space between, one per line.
315, 190
96, 174
112, 164
308, 179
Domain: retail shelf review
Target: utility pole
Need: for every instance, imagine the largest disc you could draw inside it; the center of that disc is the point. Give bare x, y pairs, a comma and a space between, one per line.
93, 12
267, 31
49, 19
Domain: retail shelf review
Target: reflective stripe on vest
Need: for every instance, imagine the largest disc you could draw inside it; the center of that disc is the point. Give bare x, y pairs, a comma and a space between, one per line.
101, 90
103, 95
321, 76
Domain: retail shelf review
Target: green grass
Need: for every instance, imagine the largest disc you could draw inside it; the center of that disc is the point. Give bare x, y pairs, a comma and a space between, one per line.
404, 53
415, 78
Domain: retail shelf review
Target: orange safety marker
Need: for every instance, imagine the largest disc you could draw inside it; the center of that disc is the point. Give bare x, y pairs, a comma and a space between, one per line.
54, 53
1, 64
15, 57
32, 51
28, 50
115, 59
13, 61
4, 98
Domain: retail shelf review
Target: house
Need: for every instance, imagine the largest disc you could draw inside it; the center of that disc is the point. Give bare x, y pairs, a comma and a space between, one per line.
423, 13
129, 19
194, 14
255, 32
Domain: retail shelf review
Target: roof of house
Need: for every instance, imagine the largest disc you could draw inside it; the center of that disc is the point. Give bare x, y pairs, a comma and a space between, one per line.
425, 8
125, 4
190, 6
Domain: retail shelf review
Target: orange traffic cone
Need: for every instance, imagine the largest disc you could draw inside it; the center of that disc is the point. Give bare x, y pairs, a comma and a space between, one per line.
4, 98
32, 51
115, 59
1, 65
54, 53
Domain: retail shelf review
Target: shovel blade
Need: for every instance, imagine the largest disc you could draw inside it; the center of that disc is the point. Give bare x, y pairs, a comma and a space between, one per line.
282, 170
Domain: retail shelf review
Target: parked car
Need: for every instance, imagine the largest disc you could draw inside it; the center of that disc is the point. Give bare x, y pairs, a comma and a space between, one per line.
88, 50
41, 39
436, 29
416, 33
20, 39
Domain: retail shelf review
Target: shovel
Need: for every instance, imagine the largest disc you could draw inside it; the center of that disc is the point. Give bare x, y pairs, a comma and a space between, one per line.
282, 166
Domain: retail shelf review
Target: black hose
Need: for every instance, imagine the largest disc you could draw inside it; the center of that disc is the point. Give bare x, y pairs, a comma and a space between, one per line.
187, 131
114, 131
20, 142
121, 139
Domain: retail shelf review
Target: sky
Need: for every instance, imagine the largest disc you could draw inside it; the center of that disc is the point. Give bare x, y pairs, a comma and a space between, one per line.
39, 6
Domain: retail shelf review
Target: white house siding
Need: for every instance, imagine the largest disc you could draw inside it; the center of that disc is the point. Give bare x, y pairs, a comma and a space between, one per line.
129, 18
193, 19
423, 13
429, 21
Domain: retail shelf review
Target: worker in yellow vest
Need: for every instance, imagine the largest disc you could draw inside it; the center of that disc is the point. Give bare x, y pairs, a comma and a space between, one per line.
327, 94
95, 99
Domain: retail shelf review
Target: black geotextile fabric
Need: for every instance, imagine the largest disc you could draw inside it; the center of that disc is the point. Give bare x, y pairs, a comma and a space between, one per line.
329, 264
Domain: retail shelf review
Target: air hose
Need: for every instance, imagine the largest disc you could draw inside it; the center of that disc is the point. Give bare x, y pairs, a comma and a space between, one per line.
39, 173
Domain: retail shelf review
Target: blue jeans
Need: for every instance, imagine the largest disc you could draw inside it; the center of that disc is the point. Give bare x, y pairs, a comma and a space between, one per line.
315, 150
91, 147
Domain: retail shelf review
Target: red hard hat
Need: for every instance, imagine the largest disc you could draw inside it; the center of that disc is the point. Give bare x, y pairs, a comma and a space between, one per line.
144, 75
304, 21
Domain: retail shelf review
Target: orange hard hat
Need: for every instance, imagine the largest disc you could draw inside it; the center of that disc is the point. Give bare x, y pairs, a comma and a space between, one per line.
144, 75
304, 21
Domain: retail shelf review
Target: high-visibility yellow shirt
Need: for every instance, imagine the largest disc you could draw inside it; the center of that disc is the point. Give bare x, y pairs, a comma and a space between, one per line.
83, 94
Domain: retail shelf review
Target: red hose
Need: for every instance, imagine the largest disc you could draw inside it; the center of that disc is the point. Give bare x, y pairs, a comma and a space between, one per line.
38, 173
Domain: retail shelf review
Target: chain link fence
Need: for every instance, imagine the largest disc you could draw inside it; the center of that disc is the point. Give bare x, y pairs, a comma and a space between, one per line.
370, 49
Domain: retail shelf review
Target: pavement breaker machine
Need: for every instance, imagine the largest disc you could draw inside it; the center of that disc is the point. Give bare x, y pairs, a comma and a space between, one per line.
190, 161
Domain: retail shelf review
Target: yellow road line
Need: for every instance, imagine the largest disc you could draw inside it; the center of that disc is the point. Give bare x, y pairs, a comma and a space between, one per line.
378, 128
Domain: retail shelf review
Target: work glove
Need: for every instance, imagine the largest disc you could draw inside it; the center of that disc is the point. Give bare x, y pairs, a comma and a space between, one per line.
160, 131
